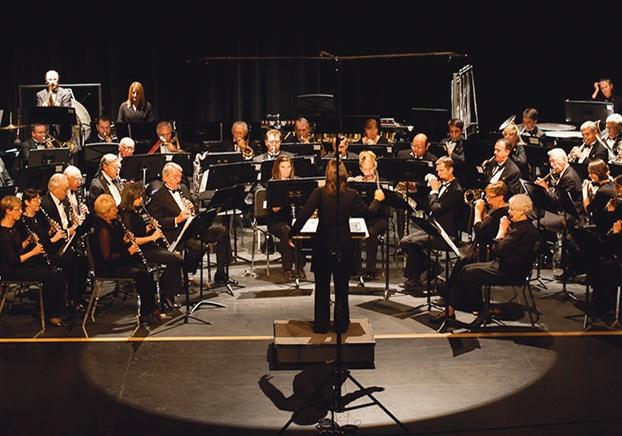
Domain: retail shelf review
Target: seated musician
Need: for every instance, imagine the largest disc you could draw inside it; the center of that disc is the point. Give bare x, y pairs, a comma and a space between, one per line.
151, 241
606, 277
116, 255
376, 222
596, 192
454, 143
418, 149
107, 180
27, 259
518, 155
167, 142
446, 204
302, 131
126, 148
171, 207
239, 137
604, 91
500, 168
102, 131
512, 252
343, 150
38, 140
280, 221
528, 129
485, 227
371, 137
592, 147
273, 146
613, 137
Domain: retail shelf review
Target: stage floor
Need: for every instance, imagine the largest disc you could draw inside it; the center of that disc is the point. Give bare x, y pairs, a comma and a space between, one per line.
197, 378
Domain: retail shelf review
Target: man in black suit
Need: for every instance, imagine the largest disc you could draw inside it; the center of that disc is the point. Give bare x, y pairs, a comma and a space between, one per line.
503, 169
171, 207
446, 202
102, 132
528, 130
107, 181
239, 133
418, 149
53, 95
454, 143
613, 137
37, 141
592, 147
273, 145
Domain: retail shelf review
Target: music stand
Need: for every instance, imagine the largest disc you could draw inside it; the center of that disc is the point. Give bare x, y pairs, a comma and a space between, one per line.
56, 115
303, 148
210, 158
352, 166
537, 157
36, 177
48, 156
192, 228
143, 167
303, 167
380, 150
316, 105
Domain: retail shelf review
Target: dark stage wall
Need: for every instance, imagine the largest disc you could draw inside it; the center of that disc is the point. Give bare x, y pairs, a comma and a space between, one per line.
520, 58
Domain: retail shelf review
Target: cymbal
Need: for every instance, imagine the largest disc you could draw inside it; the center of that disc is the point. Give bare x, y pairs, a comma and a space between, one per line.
556, 127
13, 127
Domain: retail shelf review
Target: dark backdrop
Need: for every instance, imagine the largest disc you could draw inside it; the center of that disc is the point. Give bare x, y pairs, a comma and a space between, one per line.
521, 58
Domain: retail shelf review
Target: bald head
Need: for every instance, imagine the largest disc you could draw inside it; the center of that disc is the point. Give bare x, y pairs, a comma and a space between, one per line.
420, 145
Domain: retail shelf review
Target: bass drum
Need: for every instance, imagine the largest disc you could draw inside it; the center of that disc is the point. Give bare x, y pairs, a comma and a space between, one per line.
84, 121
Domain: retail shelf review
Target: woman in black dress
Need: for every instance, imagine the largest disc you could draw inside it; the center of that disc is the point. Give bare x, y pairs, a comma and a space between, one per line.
26, 259
136, 108
152, 242
332, 246
115, 257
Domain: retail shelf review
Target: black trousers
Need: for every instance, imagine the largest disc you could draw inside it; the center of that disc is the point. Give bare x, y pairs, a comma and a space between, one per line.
145, 285
375, 228
215, 233
53, 286
75, 271
415, 246
474, 275
171, 278
323, 270
281, 231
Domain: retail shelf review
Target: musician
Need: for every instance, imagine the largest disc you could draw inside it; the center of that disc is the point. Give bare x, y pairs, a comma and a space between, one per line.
454, 143
53, 95
107, 180
23, 259
376, 223
564, 178
302, 131
603, 91
167, 142
446, 203
151, 241
512, 250
503, 169
518, 155
596, 193
239, 132
485, 226
605, 278
115, 256
528, 130
418, 149
343, 149
613, 137
279, 223
55, 206
126, 148
5, 176
332, 246
592, 148
171, 207
102, 132
38, 141
273, 145
136, 108
371, 136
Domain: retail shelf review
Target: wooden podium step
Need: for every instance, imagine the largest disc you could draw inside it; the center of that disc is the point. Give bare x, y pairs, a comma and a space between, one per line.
296, 345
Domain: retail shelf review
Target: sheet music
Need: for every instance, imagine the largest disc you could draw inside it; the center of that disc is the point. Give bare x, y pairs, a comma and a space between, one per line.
447, 239
66, 246
358, 227
173, 245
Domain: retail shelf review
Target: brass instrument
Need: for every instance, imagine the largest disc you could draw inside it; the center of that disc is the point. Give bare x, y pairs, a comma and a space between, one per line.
576, 152
155, 224
552, 174
113, 134
488, 161
129, 238
51, 142
247, 151
472, 195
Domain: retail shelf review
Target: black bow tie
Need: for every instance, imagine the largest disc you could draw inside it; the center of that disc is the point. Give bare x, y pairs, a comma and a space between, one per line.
173, 191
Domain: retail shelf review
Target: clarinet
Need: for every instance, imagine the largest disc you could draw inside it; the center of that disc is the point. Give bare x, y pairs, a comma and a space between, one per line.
128, 237
156, 225
37, 240
54, 224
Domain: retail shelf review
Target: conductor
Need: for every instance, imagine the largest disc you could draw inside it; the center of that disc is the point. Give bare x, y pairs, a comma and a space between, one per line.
332, 248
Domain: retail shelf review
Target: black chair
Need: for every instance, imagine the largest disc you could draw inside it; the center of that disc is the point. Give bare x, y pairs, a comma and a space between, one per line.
16, 288
260, 227
96, 284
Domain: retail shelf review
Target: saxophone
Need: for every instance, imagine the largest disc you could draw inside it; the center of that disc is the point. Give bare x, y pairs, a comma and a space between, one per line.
196, 175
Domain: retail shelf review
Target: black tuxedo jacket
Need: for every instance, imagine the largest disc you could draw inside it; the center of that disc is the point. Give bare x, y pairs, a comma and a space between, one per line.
510, 175
99, 186
598, 151
458, 154
164, 208
448, 208
405, 154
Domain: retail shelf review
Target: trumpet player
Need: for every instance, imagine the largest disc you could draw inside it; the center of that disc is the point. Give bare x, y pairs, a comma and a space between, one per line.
149, 237
22, 259
302, 131
613, 137
592, 148
169, 205
103, 131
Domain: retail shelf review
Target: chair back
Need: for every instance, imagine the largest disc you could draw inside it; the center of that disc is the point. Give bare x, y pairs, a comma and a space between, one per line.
261, 207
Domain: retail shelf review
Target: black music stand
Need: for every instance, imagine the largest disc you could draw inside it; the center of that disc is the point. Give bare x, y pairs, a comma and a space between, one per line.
143, 167
316, 105
303, 167
541, 204
200, 222
537, 157
53, 116
92, 155
36, 178
352, 166
48, 156
380, 150
303, 148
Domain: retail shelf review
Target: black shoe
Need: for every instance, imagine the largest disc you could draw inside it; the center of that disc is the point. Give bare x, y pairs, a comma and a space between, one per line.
60, 323
220, 279
439, 318
301, 274
369, 276
482, 318
168, 304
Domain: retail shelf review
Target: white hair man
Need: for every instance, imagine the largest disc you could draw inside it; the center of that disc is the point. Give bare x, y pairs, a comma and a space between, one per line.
107, 182
127, 146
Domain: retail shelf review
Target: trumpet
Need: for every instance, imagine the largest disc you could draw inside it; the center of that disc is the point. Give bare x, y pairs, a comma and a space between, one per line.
51, 142
243, 146
472, 195
488, 161
576, 152
156, 225
129, 238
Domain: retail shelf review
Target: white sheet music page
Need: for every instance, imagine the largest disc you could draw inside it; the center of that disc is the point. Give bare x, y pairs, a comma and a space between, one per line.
172, 247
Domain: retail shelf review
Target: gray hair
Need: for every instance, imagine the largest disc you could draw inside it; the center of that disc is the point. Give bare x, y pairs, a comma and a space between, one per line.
614, 118
521, 202
240, 124
72, 171
170, 166
56, 180
127, 141
558, 154
108, 159
589, 125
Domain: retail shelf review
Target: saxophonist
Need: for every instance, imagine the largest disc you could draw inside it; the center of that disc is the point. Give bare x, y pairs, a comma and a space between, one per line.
152, 242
